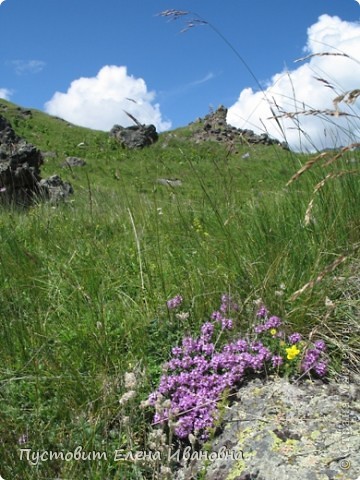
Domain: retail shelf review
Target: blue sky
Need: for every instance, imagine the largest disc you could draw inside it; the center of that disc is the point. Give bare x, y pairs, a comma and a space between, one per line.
88, 61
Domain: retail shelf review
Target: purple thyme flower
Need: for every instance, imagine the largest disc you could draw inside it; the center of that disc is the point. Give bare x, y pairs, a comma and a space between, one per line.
259, 328
273, 322
207, 331
241, 345
320, 345
217, 316
311, 357
256, 346
262, 312
208, 348
176, 351
321, 368
294, 338
190, 345
277, 360
227, 304
227, 323
174, 302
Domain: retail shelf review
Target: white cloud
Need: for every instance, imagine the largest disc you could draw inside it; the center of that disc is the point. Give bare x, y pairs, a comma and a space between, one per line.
5, 93
27, 66
99, 102
205, 79
298, 90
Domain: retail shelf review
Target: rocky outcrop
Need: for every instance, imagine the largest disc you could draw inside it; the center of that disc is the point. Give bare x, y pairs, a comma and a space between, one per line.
281, 430
135, 137
20, 162
216, 128
19, 167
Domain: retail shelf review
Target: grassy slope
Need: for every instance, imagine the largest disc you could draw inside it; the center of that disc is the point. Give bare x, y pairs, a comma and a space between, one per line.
84, 284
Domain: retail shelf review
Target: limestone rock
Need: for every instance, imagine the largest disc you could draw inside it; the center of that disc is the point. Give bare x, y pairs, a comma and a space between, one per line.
19, 167
55, 189
135, 137
276, 429
20, 179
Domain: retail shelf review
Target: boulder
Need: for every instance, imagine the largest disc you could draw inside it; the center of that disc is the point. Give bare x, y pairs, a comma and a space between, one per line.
136, 136
55, 189
19, 167
20, 162
276, 429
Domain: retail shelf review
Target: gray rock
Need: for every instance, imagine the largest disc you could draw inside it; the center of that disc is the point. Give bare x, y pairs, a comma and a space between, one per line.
19, 167
298, 431
54, 189
135, 137
20, 180
215, 128
73, 162
174, 182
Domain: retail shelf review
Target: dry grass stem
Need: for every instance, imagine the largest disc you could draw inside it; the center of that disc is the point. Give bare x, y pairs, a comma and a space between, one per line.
312, 161
319, 278
352, 146
134, 119
322, 54
306, 167
173, 14
319, 186
311, 111
325, 82
348, 97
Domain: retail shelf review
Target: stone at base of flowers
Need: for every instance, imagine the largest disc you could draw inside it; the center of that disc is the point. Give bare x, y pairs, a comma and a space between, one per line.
284, 431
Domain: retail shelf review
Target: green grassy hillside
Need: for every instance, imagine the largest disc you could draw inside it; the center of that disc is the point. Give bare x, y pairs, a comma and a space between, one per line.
85, 283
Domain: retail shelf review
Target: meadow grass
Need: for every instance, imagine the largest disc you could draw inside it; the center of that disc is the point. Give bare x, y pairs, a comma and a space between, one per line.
85, 283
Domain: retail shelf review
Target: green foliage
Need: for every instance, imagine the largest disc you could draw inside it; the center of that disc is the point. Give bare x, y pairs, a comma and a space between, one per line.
85, 284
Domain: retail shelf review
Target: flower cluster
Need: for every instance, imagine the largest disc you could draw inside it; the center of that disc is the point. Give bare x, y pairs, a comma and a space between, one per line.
203, 368
287, 350
313, 359
174, 302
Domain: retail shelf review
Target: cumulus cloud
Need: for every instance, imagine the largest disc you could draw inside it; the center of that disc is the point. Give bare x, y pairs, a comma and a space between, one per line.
314, 84
100, 102
5, 93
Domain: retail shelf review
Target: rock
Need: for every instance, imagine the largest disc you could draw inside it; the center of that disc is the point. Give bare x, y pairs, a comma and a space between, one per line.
170, 182
73, 162
136, 136
19, 167
276, 429
25, 113
216, 128
55, 189
20, 180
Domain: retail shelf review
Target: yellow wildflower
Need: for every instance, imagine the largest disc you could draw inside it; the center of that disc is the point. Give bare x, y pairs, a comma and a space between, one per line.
273, 332
292, 352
